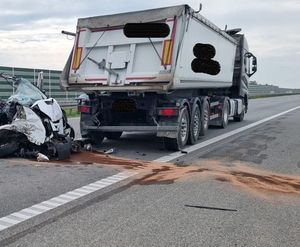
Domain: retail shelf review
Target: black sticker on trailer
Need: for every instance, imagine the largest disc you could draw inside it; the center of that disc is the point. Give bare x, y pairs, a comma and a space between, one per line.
204, 63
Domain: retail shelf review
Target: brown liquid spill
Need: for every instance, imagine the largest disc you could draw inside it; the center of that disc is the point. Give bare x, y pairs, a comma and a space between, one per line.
241, 175
87, 158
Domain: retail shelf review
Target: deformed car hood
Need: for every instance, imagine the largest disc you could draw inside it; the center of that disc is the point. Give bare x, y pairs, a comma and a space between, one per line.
29, 124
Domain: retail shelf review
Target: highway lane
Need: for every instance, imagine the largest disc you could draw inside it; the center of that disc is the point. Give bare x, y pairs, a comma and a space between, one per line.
135, 216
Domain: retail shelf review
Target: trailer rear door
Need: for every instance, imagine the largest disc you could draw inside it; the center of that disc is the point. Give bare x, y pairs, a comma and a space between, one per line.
107, 57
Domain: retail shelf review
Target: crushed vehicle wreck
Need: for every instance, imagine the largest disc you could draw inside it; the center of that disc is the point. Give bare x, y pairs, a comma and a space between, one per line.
32, 124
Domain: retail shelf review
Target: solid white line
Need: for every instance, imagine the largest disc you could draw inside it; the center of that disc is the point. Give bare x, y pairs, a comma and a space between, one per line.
203, 144
97, 186
49, 203
61, 200
88, 188
66, 197
41, 207
30, 211
27, 213
75, 194
84, 191
112, 179
22, 216
118, 176
9, 220
109, 181
2, 227
58, 201
102, 183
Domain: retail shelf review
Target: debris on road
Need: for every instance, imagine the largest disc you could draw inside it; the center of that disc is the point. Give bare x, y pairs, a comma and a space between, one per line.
211, 208
42, 158
110, 151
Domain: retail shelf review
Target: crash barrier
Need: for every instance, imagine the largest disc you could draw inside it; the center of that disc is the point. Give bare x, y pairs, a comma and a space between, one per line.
67, 99
269, 90
50, 84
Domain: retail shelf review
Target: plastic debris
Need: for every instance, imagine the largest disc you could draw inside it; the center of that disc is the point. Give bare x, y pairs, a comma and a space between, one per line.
110, 151
42, 158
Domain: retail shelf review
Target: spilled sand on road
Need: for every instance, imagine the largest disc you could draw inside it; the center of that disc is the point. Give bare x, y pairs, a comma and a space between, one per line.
238, 174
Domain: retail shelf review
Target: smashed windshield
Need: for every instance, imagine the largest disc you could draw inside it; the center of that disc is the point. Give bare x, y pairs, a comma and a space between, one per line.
26, 93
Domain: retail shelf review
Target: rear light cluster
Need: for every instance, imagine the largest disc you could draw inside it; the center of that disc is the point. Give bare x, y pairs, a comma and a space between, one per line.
84, 108
77, 58
168, 112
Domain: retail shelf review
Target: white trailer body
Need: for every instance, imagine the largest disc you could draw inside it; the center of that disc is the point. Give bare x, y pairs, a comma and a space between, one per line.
166, 70
140, 67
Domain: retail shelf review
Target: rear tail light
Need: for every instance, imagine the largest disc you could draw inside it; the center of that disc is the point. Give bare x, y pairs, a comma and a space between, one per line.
84, 108
167, 52
77, 58
168, 112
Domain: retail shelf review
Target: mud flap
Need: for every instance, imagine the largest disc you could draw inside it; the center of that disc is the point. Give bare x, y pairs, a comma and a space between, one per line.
168, 133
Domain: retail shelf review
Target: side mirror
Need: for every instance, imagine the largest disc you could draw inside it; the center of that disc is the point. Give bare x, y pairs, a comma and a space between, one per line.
250, 56
254, 65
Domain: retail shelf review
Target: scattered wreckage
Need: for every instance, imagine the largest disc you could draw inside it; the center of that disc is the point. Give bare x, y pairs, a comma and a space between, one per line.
33, 125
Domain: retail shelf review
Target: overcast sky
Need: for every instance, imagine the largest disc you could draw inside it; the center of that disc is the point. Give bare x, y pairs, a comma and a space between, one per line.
30, 30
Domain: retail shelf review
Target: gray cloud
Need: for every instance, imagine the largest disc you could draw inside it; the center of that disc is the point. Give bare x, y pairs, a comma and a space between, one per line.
271, 26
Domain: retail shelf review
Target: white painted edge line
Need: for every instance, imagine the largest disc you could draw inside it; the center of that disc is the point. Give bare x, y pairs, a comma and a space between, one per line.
203, 144
27, 213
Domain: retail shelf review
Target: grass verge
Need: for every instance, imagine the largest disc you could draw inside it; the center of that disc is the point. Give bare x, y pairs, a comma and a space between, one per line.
72, 112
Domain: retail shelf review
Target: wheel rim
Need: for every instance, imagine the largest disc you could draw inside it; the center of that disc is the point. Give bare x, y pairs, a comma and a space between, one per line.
184, 128
196, 124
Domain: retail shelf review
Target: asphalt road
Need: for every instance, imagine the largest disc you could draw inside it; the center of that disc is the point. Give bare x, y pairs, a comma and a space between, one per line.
193, 211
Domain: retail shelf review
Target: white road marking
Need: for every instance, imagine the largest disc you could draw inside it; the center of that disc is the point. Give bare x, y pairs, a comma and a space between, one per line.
41, 207
9, 220
27, 213
22, 216
203, 144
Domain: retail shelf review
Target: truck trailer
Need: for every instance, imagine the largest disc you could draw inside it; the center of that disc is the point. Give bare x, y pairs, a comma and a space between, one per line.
167, 70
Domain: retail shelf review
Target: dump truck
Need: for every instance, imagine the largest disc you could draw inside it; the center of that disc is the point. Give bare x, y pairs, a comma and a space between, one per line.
168, 70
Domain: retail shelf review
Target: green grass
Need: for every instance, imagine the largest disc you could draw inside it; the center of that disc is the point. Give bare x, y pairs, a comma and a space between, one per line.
72, 112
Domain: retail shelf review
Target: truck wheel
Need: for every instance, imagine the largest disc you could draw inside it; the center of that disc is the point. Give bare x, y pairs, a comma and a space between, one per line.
178, 143
113, 135
225, 115
195, 125
240, 117
96, 137
204, 119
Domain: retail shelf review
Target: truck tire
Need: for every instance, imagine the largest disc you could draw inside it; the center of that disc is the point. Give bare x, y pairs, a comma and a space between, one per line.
240, 117
113, 135
195, 124
176, 144
96, 137
204, 119
225, 114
